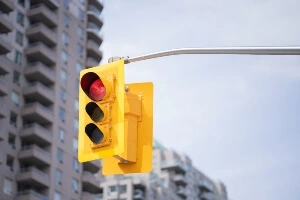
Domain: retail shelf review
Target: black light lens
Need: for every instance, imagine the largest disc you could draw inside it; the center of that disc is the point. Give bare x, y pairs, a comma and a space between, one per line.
94, 133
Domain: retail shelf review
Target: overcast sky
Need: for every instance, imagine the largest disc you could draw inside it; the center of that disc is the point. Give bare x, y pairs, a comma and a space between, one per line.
236, 117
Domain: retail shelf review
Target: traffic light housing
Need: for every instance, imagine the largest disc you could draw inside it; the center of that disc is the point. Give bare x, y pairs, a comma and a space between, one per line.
115, 120
101, 112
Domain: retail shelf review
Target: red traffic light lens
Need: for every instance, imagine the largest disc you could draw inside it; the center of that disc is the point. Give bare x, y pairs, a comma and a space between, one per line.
93, 87
97, 90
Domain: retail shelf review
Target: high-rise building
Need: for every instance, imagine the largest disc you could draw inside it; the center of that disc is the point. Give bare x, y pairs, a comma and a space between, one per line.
43, 46
173, 178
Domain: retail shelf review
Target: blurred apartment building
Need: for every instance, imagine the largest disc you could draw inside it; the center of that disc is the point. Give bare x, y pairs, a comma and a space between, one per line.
43, 46
173, 178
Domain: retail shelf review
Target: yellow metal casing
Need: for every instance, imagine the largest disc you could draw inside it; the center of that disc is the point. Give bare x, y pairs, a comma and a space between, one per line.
112, 126
138, 147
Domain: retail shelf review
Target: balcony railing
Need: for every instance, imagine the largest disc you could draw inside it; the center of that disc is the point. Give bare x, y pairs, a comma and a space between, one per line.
42, 65
30, 193
35, 147
37, 126
35, 170
38, 84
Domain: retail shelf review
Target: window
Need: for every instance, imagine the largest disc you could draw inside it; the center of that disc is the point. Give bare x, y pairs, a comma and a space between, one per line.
75, 144
74, 185
63, 94
80, 32
76, 85
75, 165
79, 50
63, 76
64, 57
66, 4
122, 189
58, 176
13, 120
21, 2
80, 14
15, 98
66, 20
79, 67
18, 57
65, 38
16, 78
19, 38
62, 114
57, 196
112, 190
61, 134
75, 125
76, 105
20, 18
7, 187
60, 155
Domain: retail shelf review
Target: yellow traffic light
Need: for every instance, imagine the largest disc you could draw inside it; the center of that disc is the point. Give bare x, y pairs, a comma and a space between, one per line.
137, 155
101, 111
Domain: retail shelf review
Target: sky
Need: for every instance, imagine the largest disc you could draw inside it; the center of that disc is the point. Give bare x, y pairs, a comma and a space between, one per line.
236, 116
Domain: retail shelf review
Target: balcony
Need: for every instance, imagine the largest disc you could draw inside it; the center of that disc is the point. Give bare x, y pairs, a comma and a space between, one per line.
179, 179
30, 195
89, 196
138, 194
181, 191
93, 15
36, 112
97, 3
5, 65
93, 50
34, 155
207, 196
33, 177
39, 93
6, 26
37, 134
90, 183
205, 186
93, 32
52, 4
3, 88
40, 13
37, 71
92, 166
91, 62
5, 46
6, 6
175, 165
41, 33
3, 111
40, 52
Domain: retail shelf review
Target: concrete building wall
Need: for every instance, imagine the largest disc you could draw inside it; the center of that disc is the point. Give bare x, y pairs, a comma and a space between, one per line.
43, 46
173, 178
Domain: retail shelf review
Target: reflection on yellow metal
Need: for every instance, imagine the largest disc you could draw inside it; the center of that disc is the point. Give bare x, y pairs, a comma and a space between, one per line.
101, 111
137, 155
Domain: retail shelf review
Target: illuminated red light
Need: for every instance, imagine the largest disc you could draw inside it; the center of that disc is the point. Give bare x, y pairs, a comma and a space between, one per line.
97, 90
93, 86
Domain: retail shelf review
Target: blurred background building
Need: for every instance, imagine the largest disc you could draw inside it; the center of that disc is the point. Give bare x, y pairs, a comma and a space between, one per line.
173, 178
43, 46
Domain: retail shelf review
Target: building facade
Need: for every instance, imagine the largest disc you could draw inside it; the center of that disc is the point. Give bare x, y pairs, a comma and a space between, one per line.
43, 46
173, 178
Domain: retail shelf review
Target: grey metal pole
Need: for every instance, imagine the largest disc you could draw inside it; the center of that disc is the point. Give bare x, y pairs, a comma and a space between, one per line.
288, 50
